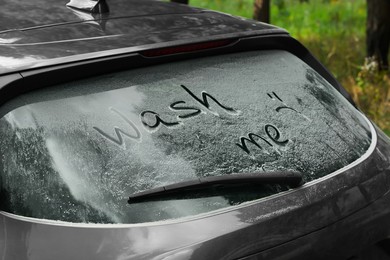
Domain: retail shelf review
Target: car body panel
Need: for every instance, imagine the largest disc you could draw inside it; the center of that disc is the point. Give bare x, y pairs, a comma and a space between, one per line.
345, 237
45, 13
41, 43
290, 224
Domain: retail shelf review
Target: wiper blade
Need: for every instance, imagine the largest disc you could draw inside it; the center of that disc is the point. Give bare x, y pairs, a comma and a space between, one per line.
291, 179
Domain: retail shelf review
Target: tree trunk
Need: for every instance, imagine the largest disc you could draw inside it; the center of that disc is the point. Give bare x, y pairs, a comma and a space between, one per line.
180, 1
378, 32
262, 10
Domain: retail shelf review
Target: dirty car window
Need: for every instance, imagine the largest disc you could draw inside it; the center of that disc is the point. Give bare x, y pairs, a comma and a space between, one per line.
75, 152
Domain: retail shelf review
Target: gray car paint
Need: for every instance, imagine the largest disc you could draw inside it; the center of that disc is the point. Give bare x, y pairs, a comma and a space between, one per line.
41, 43
227, 234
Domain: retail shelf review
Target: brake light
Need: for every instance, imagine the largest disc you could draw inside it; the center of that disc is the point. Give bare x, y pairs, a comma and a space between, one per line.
187, 48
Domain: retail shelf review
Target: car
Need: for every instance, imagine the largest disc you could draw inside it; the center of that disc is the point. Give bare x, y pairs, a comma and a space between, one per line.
140, 129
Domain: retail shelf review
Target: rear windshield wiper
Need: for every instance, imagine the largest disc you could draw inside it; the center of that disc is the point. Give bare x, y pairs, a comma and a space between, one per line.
291, 179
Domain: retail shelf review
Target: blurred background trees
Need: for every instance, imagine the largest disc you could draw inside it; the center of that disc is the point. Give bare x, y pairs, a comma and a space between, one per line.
350, 37
378, 32
261, 10
180, 1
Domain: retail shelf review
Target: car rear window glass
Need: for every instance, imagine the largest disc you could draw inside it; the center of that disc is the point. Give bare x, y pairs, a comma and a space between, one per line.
75, 152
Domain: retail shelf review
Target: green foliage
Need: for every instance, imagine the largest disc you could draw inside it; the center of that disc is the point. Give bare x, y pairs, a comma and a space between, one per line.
334, 31
371, 89
319, 18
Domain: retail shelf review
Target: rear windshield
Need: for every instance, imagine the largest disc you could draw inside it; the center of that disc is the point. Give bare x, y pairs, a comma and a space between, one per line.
75, 152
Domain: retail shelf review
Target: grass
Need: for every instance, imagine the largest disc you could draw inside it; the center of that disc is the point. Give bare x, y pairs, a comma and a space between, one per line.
334, 31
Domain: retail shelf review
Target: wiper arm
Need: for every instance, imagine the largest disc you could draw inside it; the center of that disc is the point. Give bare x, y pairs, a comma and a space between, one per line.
291, 179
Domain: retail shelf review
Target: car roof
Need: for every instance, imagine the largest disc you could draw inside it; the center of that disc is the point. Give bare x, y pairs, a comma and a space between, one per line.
24, 15
40, 33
